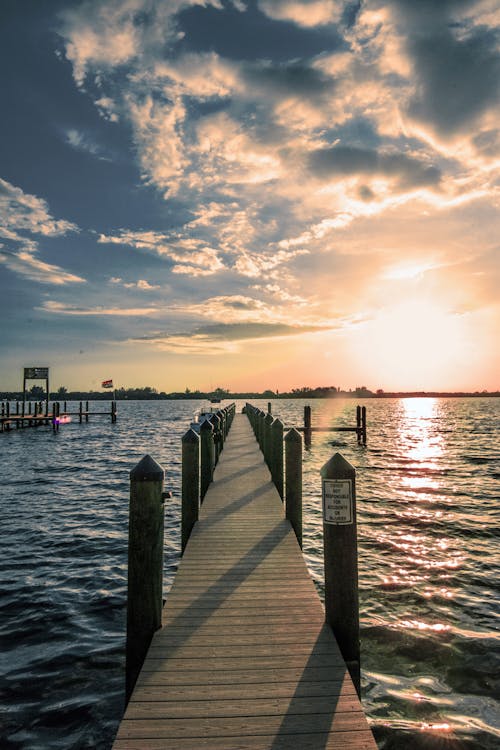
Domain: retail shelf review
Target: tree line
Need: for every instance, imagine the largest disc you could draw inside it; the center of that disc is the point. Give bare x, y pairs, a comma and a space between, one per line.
147, 393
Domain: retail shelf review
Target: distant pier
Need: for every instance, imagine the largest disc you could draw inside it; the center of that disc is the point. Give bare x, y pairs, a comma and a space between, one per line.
22, 415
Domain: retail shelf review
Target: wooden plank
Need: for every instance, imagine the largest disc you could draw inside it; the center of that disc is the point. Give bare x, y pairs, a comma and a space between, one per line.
357, 740
236, 726
244, 660
248, 691
270, 676
232, 707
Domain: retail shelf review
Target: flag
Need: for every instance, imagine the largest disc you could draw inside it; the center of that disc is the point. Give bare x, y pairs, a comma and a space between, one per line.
107, 384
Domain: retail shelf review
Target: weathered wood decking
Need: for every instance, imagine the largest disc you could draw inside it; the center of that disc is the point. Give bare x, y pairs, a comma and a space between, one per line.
244, 660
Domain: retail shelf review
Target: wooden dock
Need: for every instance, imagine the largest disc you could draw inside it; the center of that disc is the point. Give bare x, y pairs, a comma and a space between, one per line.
22, 416
244, 660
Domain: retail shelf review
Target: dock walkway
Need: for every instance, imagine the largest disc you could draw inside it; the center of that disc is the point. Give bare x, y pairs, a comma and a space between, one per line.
244, 660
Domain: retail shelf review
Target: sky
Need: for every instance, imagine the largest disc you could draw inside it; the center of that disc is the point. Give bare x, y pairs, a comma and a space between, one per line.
250, 194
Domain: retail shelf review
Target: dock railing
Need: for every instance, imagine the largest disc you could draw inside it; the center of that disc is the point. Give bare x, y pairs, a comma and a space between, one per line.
146, 513
339, 518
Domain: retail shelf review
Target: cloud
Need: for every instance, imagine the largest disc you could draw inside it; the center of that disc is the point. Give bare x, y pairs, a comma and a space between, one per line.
188, 256
306, 13
82, 142
24, 215
26, 264
140, 284
224, 337
59, 308
24, 212
408, 171
279, 164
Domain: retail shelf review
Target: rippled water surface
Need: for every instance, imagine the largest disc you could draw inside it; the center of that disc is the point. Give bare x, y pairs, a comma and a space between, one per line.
428, 524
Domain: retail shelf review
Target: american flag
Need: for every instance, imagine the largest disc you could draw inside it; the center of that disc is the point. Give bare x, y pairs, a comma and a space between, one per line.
107, 384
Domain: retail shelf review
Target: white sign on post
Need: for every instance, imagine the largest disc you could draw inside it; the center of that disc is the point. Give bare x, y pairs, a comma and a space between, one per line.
338, 502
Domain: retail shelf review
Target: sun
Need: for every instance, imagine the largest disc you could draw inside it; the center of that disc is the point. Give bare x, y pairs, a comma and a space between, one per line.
414, 345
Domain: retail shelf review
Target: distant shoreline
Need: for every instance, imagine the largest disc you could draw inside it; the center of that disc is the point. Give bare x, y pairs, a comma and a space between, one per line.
148, 394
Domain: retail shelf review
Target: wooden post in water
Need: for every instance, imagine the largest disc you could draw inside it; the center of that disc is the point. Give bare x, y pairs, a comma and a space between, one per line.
145, 564
363, 425
206, 456
276, 455
80, 412
358, 423
269, 408
293, 481
190, 484
307, 426
341, 559
86, 411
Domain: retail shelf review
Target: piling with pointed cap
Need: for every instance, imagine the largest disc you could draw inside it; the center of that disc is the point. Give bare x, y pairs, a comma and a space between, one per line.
190, 484
207, 456
145, 564
276, 455
293, 481
268, 420
341, 559
260, 429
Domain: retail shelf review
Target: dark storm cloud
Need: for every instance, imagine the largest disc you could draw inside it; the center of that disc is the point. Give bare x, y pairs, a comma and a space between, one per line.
457, 63
295, 78
251, 35
348, 160
459, 77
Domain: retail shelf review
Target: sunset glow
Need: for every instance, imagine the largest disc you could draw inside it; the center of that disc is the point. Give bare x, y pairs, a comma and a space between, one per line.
199, 193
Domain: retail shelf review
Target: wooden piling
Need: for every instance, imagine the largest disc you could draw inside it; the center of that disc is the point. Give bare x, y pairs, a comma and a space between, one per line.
206, 456
216, 422
307, 426
268, 420
260, 429
276, 455
145, 564
293, 481
341, 559
190, 484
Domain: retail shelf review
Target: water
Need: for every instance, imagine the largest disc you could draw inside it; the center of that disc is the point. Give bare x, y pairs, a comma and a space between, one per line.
427, 487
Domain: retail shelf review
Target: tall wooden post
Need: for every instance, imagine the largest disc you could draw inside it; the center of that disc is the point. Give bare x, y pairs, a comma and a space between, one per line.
190, 484
269, 408
206, 459
86, 411
216, 422
277, 455
260, 429
80, 412
358, 423
307, 426
293, 481
363, 425
268, 420
55, 419
145, 564
341, 559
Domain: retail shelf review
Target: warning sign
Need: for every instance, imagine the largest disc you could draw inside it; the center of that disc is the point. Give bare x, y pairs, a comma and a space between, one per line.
337, 501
